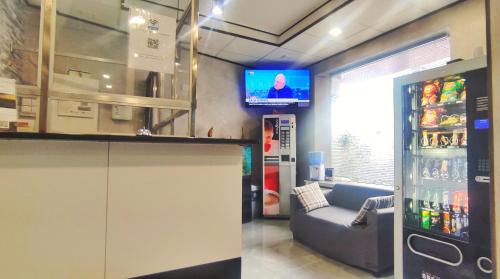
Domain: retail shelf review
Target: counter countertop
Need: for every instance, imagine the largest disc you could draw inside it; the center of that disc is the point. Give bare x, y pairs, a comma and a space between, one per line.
123, 138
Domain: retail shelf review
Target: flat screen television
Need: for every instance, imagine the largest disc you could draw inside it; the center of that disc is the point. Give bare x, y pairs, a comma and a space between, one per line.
277, 88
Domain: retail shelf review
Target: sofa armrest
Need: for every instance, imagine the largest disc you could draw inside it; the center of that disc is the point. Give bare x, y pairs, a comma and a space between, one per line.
295, 205
381, 222
382, 218
329, 197
296, 211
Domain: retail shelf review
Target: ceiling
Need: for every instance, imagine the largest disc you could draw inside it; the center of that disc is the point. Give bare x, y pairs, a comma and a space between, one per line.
257, 32
315, 43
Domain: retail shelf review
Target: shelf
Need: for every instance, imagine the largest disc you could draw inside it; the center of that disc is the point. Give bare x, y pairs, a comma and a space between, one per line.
442, 148
441, 183
441, 105
440, 152
441, 127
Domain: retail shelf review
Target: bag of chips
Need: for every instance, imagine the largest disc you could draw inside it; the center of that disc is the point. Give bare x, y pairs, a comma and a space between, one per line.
451, 90
430, 92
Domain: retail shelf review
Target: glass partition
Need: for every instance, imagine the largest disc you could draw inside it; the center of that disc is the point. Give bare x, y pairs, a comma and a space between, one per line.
107, 58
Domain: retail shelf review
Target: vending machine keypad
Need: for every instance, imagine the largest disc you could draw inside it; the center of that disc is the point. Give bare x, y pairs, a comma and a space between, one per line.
285, 137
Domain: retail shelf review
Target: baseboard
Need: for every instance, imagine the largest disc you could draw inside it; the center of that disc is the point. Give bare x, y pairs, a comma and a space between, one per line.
228, 269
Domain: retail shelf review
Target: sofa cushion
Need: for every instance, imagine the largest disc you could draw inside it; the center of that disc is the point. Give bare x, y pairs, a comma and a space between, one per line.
311, 196
334, 215
371, 204
353, 195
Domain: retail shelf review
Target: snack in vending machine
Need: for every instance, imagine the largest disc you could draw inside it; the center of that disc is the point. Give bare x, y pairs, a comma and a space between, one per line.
435, 140
446, 200
463, 141
451, 90
463, 96
430, 92
435, 200
429, 117
425, 139
426, 170
449, 119
463, 118
444, 169
435, 170
446, 222
426, 202
455, 172
466, 220
457, 202
425, 219
454, 138
456, 224
435, 221
444, 141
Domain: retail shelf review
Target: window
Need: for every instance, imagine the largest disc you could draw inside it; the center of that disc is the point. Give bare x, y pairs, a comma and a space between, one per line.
362, 111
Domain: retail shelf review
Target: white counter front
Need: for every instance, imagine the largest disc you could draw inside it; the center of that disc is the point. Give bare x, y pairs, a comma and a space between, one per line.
83, 209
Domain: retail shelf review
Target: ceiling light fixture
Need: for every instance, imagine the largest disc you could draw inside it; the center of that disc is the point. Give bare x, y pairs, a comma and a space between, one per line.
106, 76
217, 7
109, 86
335, 32
137, 20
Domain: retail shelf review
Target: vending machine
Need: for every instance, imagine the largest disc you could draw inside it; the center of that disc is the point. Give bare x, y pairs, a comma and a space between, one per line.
442, 184
279, 163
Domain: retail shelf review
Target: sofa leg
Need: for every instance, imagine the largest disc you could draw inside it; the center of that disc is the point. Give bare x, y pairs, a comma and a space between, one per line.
377, 274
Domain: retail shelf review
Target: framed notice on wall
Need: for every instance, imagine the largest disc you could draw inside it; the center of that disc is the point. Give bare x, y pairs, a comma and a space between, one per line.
8, 108
151, 44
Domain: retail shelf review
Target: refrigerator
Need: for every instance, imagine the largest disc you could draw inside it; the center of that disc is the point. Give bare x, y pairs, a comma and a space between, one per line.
442, 188
279, 163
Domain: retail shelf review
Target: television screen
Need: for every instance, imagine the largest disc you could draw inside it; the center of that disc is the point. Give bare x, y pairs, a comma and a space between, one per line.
278, 88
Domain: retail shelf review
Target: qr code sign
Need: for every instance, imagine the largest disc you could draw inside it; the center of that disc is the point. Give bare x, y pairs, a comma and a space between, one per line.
153, 43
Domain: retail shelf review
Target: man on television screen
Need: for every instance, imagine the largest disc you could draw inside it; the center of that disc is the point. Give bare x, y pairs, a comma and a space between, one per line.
280, 90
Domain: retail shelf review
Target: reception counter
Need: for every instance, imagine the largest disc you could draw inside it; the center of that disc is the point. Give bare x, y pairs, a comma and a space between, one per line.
81, 206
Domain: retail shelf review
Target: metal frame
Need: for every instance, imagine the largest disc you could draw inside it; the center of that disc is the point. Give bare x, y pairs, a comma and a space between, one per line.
45, 91
193, 67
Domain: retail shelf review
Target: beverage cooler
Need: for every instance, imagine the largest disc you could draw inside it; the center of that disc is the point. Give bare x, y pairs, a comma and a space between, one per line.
279, 168
442, 173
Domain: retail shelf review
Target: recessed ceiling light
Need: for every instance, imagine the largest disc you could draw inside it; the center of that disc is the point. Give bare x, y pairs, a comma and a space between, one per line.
335, 32
106, 76
109, 86
136, 55
217, 7
216, 10
137, 20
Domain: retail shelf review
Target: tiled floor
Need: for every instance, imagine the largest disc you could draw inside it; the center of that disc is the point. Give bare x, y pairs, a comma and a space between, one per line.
269, 252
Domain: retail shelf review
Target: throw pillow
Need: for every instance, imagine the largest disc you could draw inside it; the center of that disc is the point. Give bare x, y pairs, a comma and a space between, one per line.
371, 204
311, 196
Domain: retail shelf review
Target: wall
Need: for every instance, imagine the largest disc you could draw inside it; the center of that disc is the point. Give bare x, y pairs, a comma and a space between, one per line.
463, 22
220, 96
494, 44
